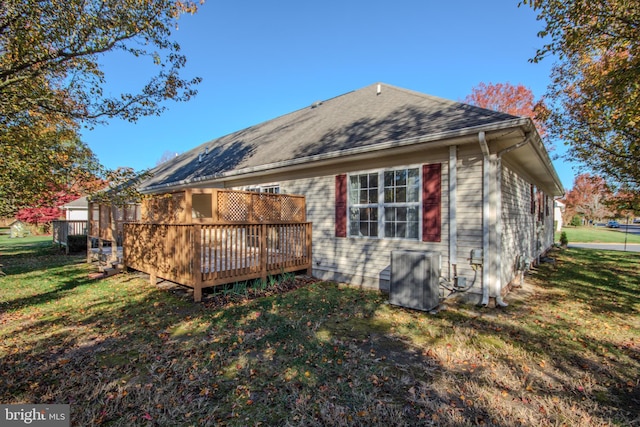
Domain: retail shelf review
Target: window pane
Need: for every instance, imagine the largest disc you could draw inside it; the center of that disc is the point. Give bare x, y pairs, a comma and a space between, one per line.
389, 230
388, 195
373, 229
373, 180
388, 179
363, 197
373, 195
401, 214
364, 181
413, 186
412, 230
389, 215
401, 195
412, 215
354, 214
401, 177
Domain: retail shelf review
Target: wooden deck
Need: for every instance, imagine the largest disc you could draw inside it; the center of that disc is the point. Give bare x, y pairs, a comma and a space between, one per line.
62, 229
205, 255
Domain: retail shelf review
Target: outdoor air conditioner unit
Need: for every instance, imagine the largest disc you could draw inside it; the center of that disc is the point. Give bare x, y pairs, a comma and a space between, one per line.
415, 279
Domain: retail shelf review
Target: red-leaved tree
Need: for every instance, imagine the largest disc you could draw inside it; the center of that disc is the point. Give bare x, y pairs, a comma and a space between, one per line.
46, 210
517, 100
588, 197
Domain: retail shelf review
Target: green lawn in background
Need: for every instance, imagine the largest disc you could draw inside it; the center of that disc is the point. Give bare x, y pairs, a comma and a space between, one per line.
121, 352
590, 234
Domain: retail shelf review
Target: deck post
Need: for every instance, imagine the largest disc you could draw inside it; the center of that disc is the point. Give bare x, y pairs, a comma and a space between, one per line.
308, 231
88, 248
263, 252
114, 233
196, 272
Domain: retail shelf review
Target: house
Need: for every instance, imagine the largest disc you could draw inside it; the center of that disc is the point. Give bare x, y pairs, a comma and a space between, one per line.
386, 169
76, 210
18, 229
558, 210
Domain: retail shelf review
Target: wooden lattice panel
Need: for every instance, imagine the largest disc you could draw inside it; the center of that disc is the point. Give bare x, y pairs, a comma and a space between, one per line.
292, 209
166, 208
266, 207
233, 206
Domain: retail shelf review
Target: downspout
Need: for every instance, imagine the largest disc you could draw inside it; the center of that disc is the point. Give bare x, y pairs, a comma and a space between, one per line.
485, 216
453, 214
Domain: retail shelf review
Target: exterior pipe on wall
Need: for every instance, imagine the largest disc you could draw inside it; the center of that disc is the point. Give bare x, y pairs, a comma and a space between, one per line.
453, 225
485, 216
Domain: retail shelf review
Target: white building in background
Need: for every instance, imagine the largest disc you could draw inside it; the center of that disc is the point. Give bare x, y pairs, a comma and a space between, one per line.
558, 210
76, 210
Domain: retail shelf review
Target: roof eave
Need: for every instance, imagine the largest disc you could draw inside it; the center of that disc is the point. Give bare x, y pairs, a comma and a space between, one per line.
447, 138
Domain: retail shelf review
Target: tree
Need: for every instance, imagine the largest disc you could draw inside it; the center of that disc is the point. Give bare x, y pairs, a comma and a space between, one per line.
37, 162
51, 82
166, 156
516, 100
50, 52
594, 96
46, 211
588, 198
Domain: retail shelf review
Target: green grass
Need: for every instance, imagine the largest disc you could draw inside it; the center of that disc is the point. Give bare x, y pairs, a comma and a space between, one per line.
597, 235
566, 351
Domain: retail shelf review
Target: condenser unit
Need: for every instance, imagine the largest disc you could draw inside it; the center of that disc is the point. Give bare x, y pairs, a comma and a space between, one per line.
415, 279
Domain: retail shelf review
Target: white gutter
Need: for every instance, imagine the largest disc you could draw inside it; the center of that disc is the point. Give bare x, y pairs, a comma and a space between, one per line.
443, 138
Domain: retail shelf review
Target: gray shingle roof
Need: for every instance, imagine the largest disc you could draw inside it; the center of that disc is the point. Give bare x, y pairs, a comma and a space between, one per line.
354, 120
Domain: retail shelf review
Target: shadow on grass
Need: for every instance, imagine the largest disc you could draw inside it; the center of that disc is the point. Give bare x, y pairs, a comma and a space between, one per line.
123, 353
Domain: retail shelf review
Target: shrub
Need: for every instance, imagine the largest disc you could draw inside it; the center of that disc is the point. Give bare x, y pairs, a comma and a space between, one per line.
77, 243
563, 239
576, 221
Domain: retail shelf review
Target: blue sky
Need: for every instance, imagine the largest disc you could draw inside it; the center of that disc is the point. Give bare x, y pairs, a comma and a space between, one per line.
259, 60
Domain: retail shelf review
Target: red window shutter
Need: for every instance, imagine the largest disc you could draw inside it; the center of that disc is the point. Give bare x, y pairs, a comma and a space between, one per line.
432, 203
532, 199
341, 206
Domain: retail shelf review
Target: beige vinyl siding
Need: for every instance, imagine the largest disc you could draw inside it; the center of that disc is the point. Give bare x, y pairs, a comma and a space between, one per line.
469, 212
548, 220
358, 261
518, 224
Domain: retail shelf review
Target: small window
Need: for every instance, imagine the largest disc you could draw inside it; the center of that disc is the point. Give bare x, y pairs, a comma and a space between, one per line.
201, 206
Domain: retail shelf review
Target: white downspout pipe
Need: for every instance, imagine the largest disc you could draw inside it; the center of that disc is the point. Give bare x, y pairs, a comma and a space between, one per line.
453, 214
485, 216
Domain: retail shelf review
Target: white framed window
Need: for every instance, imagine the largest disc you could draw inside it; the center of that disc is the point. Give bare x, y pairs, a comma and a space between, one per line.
273, 189
385, 204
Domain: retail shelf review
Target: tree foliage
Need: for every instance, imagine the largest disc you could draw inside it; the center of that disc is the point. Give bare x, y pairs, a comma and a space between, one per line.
588, 198
37, 162
50, 52
595, 90
46, 210
517, 100
51, 83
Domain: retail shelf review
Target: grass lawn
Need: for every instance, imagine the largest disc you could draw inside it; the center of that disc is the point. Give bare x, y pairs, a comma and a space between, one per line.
566, 351
597, 235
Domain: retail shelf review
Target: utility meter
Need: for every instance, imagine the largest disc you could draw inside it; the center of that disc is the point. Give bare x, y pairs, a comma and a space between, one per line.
476, 257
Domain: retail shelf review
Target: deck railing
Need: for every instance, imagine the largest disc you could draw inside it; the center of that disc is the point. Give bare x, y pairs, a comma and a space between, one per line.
204, 255
63, 229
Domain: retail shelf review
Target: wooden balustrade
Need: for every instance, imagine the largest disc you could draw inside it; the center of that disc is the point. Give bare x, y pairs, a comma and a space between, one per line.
63, 229
204, 255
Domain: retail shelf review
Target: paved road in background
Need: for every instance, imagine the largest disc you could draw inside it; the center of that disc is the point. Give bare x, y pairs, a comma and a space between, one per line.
607, 246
